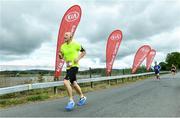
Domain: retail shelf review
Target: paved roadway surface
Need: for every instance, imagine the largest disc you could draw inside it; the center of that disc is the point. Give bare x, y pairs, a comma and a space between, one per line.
144, 98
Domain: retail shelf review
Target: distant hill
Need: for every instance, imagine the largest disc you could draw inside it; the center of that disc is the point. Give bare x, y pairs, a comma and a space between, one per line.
13, 73
23, 72
96, 71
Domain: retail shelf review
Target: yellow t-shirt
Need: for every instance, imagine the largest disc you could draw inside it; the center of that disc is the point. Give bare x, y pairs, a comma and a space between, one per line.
70, 53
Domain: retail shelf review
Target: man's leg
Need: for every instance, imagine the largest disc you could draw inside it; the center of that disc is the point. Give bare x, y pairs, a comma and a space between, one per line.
78, 89
158, 76
155, 75
69, 88
82, 100
73, 81
72, 76
174, 72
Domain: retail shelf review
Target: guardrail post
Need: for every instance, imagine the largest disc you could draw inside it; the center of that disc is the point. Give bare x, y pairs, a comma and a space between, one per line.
122, 80
109, 82
92, 85
116, 81
90, 76
55, 88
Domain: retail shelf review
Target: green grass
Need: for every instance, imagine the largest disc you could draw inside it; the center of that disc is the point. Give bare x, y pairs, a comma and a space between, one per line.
12, 102
38, 97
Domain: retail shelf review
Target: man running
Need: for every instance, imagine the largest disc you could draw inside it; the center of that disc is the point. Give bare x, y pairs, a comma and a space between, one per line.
173, 69
157, 70
72, 52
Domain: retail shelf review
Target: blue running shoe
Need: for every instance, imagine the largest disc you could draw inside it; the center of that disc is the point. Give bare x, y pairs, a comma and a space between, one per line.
82, 101
70, 105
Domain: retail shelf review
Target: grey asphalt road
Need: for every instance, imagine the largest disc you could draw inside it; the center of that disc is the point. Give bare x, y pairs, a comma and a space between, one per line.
147, 98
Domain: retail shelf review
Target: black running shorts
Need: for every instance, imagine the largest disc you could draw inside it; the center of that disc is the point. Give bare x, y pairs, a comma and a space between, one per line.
173, 70
156, 72
71, 74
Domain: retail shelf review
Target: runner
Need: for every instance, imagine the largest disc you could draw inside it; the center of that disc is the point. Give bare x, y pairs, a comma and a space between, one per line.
70, 53
157, 70
173, 69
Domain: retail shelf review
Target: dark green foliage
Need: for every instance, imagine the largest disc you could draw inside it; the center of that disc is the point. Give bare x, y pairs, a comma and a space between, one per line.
173, 58
141, 69
163, 66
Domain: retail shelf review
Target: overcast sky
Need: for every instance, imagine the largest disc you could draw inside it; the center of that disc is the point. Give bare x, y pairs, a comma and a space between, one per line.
29, 30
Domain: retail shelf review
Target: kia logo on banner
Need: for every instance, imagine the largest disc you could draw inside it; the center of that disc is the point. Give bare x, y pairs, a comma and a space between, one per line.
116, 37
140, 55
112, 47
150, 59
72, 16
69, 23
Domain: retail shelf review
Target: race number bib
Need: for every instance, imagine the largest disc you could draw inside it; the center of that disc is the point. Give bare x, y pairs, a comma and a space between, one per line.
68, 64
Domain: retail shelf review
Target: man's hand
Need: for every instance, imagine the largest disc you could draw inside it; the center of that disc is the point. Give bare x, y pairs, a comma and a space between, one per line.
80, 57
60, 55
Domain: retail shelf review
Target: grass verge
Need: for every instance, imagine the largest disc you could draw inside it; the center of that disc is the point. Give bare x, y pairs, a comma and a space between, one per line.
47, 94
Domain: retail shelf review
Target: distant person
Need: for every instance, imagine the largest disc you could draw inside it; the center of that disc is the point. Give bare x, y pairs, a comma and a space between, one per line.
173, 69
72, 52
157, 70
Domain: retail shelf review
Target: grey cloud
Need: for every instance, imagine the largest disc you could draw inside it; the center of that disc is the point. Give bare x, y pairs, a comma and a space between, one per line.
158, 18
137, 20
27, 25
21, 33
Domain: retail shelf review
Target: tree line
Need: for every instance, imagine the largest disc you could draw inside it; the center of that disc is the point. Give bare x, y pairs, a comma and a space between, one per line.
171, 58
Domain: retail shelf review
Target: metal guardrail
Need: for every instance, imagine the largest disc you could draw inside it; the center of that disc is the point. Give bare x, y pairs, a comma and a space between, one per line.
25, 87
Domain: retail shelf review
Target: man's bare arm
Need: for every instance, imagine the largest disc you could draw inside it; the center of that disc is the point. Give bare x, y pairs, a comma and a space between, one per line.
81, 55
